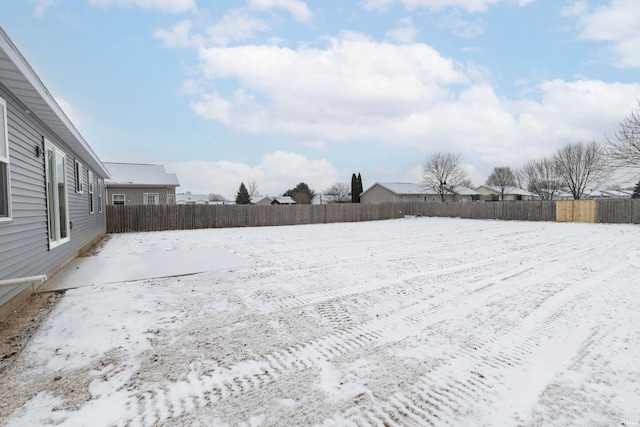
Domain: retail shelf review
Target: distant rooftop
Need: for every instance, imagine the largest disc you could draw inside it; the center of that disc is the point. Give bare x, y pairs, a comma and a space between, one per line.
135, 174
409, 188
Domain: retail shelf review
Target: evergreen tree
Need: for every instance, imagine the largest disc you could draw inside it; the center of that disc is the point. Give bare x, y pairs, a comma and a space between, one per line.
301, 193
243, 197
354, 189
360, 189
636, 191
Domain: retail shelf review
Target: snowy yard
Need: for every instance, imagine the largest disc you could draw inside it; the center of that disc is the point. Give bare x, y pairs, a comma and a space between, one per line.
412, 322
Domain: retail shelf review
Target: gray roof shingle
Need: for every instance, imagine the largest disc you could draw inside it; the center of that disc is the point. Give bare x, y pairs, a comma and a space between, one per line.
139, 175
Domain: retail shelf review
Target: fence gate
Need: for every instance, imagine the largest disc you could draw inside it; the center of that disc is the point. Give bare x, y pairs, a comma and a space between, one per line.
576, 211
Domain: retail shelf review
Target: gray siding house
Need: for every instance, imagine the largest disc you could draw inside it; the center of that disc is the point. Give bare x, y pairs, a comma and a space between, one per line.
51, 182
140, 184
382, 192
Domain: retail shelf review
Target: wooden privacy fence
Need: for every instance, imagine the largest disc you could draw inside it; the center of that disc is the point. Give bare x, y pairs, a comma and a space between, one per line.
576, 210
124, 219
521, 210
618, 211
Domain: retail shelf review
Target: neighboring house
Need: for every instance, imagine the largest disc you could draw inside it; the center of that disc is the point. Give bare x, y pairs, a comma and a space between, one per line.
557, 195
381, 192
272, 200
140, 184
199, 199
192, 199
51, 182
465, 194
494, 193
607, 194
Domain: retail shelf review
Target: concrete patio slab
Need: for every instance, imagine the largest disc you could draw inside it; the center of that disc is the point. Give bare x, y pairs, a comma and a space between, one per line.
126, 267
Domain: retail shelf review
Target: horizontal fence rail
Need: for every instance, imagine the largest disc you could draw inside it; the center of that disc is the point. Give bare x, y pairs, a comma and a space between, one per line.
124, 219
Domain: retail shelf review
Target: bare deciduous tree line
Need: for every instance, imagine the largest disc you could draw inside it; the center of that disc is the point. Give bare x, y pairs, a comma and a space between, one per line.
574, 167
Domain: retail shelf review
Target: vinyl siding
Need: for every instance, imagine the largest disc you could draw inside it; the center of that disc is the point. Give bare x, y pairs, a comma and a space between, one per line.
134, 195
378, 194
24, 243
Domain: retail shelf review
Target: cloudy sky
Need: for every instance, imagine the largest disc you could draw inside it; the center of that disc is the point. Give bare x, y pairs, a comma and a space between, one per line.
288, 91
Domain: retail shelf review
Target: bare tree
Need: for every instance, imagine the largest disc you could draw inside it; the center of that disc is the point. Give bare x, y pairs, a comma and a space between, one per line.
624, 147
340, 192
252, 187
215, 197
582, 166
466, 183
502, 178
441, 172
542, 178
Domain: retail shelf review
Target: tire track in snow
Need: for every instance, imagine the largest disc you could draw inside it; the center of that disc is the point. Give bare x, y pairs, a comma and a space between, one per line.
172, 400
478, 374
175, 399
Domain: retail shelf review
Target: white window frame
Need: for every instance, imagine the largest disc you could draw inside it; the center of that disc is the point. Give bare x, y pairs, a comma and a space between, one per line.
145, 198
113, 199
4, 159
56, 223
91, 207
171, 199
79, 177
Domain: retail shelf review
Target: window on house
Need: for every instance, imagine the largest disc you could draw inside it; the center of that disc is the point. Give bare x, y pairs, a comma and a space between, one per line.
150, 199
5, 188
394, 199
100, 189
90, 191
57, 205
171, 199
79, 187
117, 199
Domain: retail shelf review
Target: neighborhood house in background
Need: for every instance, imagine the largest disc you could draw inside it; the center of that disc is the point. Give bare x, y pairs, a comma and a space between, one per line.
381, 192
51, 182
140, 184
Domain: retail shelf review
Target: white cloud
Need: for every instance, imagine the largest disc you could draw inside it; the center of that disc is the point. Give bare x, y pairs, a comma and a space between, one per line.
405, 32
298, 9
356, 89
179, 35
377, 5
352, 88
76, 117
468, 5
236, 25
471, 6
169, 6
276, 173
617, 24
41, 6
456, 24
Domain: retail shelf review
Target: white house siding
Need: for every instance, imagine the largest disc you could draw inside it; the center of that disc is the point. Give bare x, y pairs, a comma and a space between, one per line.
24, 242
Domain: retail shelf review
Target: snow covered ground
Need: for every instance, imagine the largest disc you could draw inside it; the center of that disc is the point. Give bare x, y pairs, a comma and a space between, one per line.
421, 321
